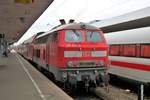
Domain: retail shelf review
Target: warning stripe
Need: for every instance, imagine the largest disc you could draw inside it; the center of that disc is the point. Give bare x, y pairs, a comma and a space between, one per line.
131, 65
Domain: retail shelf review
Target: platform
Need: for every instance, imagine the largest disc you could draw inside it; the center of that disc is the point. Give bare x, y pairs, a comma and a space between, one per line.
19, 80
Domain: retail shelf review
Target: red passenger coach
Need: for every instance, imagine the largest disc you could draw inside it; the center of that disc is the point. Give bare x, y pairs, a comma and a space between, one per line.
72, 52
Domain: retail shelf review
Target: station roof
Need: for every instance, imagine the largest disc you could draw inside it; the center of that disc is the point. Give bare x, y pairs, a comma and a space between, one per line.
132, 20
16, 16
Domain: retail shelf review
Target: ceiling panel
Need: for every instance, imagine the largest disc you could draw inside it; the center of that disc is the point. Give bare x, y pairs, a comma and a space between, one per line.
16, 16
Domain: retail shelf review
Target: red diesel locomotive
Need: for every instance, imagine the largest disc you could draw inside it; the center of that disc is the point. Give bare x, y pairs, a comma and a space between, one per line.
71, 53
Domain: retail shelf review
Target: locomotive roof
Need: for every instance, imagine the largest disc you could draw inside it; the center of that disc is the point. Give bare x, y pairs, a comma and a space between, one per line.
71, 26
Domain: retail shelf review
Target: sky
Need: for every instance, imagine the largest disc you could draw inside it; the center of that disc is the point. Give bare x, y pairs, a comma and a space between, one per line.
82, 11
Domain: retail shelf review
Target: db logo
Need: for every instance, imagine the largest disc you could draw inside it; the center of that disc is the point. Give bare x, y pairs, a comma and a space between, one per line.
86, 53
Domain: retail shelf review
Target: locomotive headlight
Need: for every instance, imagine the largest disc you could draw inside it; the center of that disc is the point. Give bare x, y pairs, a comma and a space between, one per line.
100, 63
96, 72
70, 63
77, 72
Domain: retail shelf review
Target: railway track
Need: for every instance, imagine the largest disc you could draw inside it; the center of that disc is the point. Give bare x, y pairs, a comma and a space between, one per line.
126, 90
82, 95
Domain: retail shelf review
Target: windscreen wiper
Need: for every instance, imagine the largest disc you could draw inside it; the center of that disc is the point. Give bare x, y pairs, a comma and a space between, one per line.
76, 33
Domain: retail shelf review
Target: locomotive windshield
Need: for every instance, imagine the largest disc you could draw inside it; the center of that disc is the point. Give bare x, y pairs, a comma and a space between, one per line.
74, 36
93, 36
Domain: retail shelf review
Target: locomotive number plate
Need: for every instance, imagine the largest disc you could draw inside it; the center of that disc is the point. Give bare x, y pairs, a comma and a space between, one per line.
86, 53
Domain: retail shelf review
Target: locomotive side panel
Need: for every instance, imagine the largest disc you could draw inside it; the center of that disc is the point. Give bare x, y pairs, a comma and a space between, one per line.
52, 49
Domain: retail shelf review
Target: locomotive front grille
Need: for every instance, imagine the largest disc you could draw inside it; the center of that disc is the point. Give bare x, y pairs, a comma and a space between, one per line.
86, 63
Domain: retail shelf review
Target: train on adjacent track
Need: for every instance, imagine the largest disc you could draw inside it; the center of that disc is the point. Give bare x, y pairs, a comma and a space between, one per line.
129, 54
71, 53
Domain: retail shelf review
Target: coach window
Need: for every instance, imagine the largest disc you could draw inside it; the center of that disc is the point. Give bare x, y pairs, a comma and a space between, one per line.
94, 36
74, 36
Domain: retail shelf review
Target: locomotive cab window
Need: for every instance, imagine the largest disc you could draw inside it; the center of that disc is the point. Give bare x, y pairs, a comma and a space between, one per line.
74, 36
93, 36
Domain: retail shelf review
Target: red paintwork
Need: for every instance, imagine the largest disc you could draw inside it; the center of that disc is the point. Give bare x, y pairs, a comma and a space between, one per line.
131, 65
54, 50
86, 46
